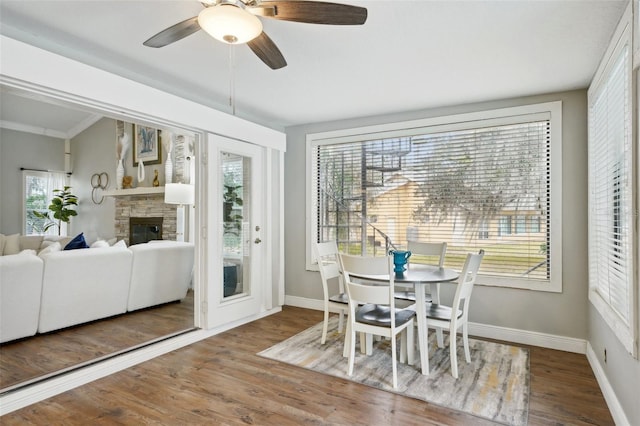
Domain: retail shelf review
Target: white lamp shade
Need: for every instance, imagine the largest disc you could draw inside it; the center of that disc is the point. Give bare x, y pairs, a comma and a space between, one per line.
179, 193
230, 24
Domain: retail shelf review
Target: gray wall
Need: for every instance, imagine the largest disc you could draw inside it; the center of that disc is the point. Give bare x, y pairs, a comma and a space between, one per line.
94, 151
19, 149
562, 314
621, 369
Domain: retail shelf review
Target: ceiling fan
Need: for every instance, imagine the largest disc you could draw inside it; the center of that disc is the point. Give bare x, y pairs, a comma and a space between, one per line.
236, 22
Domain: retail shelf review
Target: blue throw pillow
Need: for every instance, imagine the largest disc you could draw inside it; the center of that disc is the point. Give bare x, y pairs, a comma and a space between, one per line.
78, 242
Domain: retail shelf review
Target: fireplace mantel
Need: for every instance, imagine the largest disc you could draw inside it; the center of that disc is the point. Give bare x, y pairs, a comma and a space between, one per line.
141, 190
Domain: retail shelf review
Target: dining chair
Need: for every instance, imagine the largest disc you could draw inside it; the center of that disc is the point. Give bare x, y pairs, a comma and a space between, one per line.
326, 254
436, 253
451, 318
372, 309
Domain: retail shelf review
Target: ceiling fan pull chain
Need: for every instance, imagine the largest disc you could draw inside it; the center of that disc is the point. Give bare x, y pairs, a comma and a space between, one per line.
232, 83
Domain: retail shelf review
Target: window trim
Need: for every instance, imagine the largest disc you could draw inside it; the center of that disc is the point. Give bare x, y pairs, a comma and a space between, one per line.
517, 114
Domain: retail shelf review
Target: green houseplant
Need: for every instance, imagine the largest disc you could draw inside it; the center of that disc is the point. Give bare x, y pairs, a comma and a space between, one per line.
61, 208
230, 198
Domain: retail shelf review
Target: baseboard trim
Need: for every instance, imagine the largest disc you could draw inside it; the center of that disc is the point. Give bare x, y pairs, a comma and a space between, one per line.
20, 398
568, 344
610, 397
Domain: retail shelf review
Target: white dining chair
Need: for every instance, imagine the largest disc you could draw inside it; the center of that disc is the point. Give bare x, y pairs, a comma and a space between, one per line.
451, 318
435, 253
372, 309
326, 254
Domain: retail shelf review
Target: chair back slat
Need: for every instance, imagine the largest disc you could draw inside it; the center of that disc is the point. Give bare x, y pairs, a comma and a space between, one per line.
436, 250
359, 292
468, 277
327, 257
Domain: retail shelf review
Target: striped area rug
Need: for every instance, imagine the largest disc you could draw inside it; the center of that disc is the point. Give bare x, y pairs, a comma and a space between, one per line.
495, 385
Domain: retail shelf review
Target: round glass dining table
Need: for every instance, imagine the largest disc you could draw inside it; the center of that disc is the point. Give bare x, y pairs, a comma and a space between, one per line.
419, 276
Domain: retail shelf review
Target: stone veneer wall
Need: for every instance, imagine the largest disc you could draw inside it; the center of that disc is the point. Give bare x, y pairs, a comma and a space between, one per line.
144, 206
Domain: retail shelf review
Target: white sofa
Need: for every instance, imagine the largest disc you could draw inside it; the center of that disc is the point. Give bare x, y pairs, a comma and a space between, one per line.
20, 291
66, 288
161, 273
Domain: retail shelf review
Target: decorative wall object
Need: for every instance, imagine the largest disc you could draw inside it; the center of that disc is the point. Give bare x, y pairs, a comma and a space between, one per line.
146, 145
167, 141
123, 143
140, 172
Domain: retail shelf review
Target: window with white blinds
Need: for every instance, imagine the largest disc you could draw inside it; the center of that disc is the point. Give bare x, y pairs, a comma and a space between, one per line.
611, 215
480, 184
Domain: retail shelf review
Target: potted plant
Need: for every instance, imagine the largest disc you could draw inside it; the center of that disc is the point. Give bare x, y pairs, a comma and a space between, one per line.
61, 208
230, 198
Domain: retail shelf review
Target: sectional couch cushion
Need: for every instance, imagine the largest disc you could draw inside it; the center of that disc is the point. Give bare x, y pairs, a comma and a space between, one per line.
20, 292
51, 248
11, 244
84, 285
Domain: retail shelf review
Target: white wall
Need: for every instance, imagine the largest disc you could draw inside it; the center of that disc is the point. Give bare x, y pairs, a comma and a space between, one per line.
18, 149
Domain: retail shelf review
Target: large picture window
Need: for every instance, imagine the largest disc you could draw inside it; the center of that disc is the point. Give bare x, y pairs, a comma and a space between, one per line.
474, 181
611, 187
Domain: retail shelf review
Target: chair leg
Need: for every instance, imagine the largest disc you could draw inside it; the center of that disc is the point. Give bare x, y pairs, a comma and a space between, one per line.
411, 346
453, 355
393, 361
347, 342
465, 340
403, 347
367, 348
325, 325
341, 321
352, 351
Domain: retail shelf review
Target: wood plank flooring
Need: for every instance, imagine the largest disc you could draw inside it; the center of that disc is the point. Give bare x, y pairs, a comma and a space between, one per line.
221, 380
44, 354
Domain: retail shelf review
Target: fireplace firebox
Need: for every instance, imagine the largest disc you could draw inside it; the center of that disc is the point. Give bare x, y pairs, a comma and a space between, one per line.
144, 229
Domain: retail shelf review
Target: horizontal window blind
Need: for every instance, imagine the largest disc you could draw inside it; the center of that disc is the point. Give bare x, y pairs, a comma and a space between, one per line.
610, 190
485, 187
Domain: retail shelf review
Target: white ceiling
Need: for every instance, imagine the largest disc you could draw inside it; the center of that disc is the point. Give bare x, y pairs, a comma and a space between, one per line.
409, 55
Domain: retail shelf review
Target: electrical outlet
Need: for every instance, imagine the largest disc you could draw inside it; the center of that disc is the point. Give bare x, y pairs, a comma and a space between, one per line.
605, 355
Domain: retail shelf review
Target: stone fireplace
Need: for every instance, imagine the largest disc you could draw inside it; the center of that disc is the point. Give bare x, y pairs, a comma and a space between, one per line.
149, 206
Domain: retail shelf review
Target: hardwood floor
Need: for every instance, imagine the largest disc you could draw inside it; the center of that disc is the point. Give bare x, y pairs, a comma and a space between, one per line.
41, 355
221, 380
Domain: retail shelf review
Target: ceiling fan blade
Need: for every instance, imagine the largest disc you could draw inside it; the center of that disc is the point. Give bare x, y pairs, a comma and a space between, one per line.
267, 51
174, 33
315, 12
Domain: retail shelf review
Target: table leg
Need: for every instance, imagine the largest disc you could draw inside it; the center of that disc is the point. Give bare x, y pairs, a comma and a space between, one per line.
423, 335
435, 297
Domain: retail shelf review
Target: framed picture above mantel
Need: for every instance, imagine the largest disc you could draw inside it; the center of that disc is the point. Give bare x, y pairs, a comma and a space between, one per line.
146, 145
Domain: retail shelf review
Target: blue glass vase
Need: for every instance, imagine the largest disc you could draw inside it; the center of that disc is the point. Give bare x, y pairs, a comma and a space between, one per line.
400, 258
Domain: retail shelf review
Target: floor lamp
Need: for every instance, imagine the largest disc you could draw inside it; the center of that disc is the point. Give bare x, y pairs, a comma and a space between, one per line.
182, 195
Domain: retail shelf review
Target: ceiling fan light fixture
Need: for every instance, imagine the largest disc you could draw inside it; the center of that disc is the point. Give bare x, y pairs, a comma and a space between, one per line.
230, 24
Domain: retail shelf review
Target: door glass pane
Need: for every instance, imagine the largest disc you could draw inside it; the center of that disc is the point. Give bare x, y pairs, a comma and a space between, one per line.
236, 187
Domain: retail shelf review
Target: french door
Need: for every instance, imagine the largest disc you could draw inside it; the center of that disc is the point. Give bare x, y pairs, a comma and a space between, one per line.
235, 253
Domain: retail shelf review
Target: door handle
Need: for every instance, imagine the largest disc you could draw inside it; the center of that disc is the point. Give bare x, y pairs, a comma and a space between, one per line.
257, 241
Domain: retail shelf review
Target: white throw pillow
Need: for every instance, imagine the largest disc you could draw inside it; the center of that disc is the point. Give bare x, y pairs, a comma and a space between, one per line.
12, 244
27, 252
120, 244
112, 241
51, 248
99, 244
